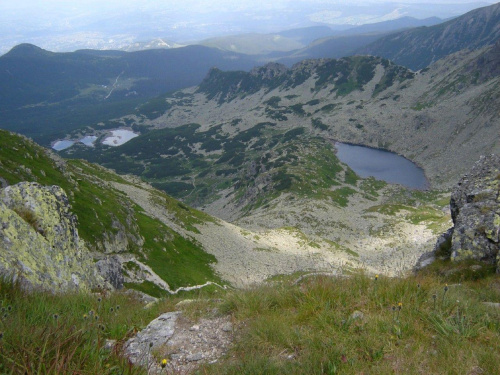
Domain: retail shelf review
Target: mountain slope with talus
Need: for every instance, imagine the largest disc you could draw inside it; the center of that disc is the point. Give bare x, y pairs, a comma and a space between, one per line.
362, 100
256, 149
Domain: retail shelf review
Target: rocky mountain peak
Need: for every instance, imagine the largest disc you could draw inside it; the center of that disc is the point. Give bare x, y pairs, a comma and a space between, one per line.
269, 71
309, 64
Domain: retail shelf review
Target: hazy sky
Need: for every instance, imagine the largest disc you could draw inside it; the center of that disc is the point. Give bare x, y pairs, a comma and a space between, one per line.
63, 25
200, 5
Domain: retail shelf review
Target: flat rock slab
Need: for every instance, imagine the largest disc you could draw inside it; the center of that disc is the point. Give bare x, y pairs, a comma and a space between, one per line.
140, 348
184, 343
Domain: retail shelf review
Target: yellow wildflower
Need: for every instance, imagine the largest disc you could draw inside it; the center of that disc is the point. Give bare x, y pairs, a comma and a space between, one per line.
163, 362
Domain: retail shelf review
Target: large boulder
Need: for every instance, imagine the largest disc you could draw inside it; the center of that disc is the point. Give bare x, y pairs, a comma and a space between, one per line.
475, 210
39, 242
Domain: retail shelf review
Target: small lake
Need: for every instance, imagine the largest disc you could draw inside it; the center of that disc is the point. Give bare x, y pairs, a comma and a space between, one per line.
88, 140
383, 165
119, 137
62, 145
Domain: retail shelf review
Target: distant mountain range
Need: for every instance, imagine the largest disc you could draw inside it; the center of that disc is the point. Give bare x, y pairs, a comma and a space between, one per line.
68, 26
157, 43
417, 48
46, 95
30, 75
337, 42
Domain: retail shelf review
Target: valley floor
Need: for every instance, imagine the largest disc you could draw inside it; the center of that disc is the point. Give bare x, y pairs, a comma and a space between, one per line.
380, 235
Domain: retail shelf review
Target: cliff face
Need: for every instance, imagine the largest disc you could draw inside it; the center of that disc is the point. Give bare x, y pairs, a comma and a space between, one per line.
39, 242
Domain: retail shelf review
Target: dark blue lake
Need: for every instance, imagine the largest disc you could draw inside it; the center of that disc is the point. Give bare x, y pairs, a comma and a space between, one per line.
383, 165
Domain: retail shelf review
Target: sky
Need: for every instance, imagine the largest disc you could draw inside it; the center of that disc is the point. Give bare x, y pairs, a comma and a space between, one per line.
64, 25
195, 6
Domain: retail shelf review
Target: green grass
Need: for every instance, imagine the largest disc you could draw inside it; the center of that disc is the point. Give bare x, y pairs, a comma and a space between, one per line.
428, 213
147, 287
337, 247
303, 239
371, 187
306, 327
419, 106
310, 328
351, 177
341, 196
45, 333
177, 260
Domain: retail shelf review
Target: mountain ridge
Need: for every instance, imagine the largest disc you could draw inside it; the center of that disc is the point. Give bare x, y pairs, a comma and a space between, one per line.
362, 100
418, 48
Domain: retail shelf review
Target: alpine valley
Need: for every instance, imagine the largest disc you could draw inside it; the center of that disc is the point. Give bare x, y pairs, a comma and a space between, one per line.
232, 180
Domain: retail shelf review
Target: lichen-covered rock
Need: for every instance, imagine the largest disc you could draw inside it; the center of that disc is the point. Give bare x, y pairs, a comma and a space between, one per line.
39, 242
475, 210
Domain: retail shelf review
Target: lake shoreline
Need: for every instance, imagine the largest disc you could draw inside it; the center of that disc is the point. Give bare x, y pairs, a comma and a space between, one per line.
410, 174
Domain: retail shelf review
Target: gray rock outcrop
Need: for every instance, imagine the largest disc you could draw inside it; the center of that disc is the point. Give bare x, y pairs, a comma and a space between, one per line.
139, 349
39, 242
110, 269
475, 210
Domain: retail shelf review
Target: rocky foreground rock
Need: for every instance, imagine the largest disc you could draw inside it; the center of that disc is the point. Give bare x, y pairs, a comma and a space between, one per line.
185, 343
39, 242
475, 210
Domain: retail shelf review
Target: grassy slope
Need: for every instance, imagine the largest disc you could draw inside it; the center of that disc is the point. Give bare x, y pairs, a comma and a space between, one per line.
43, 333
101, 210
310, 328
48, 334
304, 327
